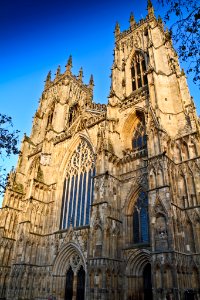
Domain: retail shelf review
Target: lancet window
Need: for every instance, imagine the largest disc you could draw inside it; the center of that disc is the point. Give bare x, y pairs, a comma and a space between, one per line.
78, 187
73, 113
138, 71
139, 140
141, 219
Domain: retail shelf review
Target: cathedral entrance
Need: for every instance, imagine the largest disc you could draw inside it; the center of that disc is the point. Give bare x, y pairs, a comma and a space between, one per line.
147, 282
75, 283
80, 295
69, 284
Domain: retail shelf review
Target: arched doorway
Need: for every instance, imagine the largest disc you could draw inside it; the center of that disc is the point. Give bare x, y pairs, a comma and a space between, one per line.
147, 282
69, 284
80, 295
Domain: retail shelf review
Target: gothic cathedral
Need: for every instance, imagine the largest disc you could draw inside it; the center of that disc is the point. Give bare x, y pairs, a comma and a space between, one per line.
105, 199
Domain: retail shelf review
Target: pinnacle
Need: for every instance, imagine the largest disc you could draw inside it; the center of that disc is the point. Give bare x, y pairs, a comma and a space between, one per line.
80, 75
69, 64
149, 4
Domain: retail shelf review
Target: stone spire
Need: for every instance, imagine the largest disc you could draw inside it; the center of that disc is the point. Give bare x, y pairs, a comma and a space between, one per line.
69, 64
48, 80
132, 21
150, 8
80, 75
117, 30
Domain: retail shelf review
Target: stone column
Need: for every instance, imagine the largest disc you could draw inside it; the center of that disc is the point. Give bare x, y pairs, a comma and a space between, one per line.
74, 287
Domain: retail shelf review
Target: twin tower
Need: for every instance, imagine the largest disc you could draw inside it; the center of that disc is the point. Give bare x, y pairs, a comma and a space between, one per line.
105, 199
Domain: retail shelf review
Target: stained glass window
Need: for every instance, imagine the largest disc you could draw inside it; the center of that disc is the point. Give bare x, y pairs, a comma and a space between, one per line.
139, 136
141, 219
78, 187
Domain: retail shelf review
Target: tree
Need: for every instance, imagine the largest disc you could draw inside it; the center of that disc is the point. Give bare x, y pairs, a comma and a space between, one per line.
8, 146
184, 16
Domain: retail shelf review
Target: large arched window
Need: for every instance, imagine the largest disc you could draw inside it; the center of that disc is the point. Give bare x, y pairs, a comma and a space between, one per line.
139, 140
138, 71
141, 219
78, 187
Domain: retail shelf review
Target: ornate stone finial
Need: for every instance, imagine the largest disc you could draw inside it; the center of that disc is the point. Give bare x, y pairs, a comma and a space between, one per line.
117, 30
58, 72
48, 80
69, 64
132, 21
80, 75
150, 8
91, 82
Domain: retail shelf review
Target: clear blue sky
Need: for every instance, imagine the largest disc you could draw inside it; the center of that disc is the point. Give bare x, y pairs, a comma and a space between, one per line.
38, 35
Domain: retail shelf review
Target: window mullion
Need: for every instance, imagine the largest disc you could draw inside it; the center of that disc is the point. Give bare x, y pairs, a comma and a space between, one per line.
141, 72
136, 75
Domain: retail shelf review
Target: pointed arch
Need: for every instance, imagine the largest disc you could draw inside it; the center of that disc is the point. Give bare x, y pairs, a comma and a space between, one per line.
137, 261
78, 186
64, 259
138, 70
135, 122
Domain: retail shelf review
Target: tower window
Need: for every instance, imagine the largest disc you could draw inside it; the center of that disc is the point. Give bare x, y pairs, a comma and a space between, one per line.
141, 219
78, 188
73, 113
139, 141
138, 72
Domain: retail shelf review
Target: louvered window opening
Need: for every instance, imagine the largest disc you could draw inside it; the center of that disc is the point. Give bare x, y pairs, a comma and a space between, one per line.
138, 72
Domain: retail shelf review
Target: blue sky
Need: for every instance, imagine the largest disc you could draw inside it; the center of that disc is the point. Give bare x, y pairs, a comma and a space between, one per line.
38, 35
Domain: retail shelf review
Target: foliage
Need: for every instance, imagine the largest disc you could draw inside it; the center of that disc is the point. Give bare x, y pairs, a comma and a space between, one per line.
184, 16
8, 145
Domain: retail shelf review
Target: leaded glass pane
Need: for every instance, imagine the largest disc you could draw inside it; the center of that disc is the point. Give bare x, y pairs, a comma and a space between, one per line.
88, 198
79, 200
66, 198
141, 219
74, 200
139, 136
70, 202
136, 229
83, 199
77, 195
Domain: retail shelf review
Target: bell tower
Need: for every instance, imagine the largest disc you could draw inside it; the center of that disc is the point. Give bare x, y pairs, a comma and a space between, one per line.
144, 57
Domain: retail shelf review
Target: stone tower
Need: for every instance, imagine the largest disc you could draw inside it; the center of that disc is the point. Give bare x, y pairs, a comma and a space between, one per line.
104, 202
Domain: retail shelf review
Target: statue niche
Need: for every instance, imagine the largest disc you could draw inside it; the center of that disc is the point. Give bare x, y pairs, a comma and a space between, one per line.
161, 235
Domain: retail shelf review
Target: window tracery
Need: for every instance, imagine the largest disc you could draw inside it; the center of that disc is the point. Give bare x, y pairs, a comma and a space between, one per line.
78, 187
138, 71
139, 140
141, 219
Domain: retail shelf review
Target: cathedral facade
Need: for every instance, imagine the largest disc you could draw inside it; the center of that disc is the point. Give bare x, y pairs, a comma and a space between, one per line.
104, 201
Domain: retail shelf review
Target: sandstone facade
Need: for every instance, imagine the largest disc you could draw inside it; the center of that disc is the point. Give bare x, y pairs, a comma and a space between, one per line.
104, 202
